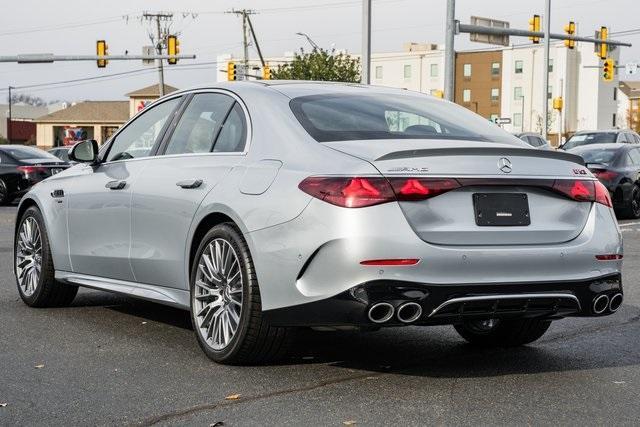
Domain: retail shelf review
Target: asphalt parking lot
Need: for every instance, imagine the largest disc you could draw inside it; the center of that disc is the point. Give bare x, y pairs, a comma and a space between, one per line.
113, 360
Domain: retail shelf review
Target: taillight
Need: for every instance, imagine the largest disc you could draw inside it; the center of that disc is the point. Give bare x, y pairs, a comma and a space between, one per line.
349, 192
27, 170
583, 191
358, 192
602, 195
605, 175
408, 189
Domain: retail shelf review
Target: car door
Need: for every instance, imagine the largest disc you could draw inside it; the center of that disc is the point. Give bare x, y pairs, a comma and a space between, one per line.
99, 198
206, 142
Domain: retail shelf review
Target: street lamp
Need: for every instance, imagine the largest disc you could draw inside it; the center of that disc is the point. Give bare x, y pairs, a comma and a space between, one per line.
311, 42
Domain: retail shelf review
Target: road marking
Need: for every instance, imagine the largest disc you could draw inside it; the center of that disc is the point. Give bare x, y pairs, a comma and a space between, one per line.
626, 224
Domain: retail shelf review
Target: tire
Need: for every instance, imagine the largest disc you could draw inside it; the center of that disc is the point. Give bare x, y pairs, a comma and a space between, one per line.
4, 193
504, 333
37, 288
253, 341
632, 208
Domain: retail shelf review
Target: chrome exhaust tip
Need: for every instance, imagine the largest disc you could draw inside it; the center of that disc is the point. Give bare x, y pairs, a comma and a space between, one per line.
600, 304
409, 312
381, 312
615, 302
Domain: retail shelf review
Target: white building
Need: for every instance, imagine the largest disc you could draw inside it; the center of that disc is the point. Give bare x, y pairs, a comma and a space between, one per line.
418, 67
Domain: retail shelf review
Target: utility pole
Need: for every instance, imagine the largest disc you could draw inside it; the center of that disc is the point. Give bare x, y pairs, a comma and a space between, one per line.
547, 44
245, 36
449, 52
10, 116
159, 40
366, 42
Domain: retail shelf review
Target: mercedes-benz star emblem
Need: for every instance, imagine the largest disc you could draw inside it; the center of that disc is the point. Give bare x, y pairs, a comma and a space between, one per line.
504, 165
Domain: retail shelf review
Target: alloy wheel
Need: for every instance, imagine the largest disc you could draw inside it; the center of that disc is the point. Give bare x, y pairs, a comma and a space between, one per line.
29, 256
218, 294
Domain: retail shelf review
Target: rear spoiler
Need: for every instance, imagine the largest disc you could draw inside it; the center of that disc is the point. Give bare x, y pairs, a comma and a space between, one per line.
484, 151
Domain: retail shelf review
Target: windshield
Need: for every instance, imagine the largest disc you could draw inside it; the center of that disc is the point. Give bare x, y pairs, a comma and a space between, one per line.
342, 117
22, 153
604, 157
590, 138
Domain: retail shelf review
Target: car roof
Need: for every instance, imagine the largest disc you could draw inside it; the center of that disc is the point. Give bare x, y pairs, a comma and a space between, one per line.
296, 88
583, 132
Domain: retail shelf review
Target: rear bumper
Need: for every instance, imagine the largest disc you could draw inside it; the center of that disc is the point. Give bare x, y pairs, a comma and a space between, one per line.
451, 304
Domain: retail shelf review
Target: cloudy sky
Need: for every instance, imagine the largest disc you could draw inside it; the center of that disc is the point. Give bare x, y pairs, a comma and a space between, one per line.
73, 26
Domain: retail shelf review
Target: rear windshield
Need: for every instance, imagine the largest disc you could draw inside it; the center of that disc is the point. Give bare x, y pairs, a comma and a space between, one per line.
22, 153
342, 117
604, 157
590, 138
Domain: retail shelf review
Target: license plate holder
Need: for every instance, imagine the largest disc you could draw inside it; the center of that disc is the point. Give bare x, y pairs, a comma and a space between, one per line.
501, 209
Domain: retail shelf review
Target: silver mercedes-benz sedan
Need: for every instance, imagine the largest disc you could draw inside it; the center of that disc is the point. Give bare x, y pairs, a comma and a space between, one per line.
263, 207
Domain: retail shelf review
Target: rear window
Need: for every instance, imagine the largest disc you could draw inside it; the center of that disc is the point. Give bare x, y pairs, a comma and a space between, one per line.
590, 138
22, 153
604, 157
342, 117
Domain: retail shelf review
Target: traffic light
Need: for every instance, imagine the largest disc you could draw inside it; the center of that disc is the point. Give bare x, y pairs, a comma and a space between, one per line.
102, 50
173, 48
558, 103
608, 70
534, 25
232, 73
604, 48
266, 72
570, 29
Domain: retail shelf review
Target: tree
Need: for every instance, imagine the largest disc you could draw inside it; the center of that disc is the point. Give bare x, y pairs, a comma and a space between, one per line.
27, 99
320, 64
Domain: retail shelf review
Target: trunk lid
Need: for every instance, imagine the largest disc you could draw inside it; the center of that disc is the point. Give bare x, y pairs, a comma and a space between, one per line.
482, 168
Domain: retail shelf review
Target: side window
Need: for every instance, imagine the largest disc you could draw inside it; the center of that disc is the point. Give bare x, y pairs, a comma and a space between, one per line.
635, 156
622, 137
138, 138
4, 159
199, 124
233, 134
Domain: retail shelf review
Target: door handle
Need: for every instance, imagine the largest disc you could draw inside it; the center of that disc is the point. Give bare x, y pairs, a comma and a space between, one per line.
116, 185
189, 183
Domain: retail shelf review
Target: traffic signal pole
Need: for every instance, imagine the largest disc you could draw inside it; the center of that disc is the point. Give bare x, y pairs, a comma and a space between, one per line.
366, 42
547, 45
449, 52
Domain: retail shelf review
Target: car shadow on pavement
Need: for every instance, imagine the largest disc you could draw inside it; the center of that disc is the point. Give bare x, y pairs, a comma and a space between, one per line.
428, 351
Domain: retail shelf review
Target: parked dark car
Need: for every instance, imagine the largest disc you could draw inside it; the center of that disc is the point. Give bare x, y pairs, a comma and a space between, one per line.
535, 140
621, 136
22, 166
617, 166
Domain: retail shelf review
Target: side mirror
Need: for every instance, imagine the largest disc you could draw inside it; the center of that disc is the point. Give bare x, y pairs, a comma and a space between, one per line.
84, 151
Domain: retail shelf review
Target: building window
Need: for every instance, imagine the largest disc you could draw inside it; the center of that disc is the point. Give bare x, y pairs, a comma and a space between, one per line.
379, 72
615, 93
495, 69
407, 71
434, 70
466, 95
495, 94
549, 92
466, 70
517, 120
550, 65
517, 93
614, 120
519, 67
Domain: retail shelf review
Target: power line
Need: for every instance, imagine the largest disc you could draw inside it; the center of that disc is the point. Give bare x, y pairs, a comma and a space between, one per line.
61, 83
